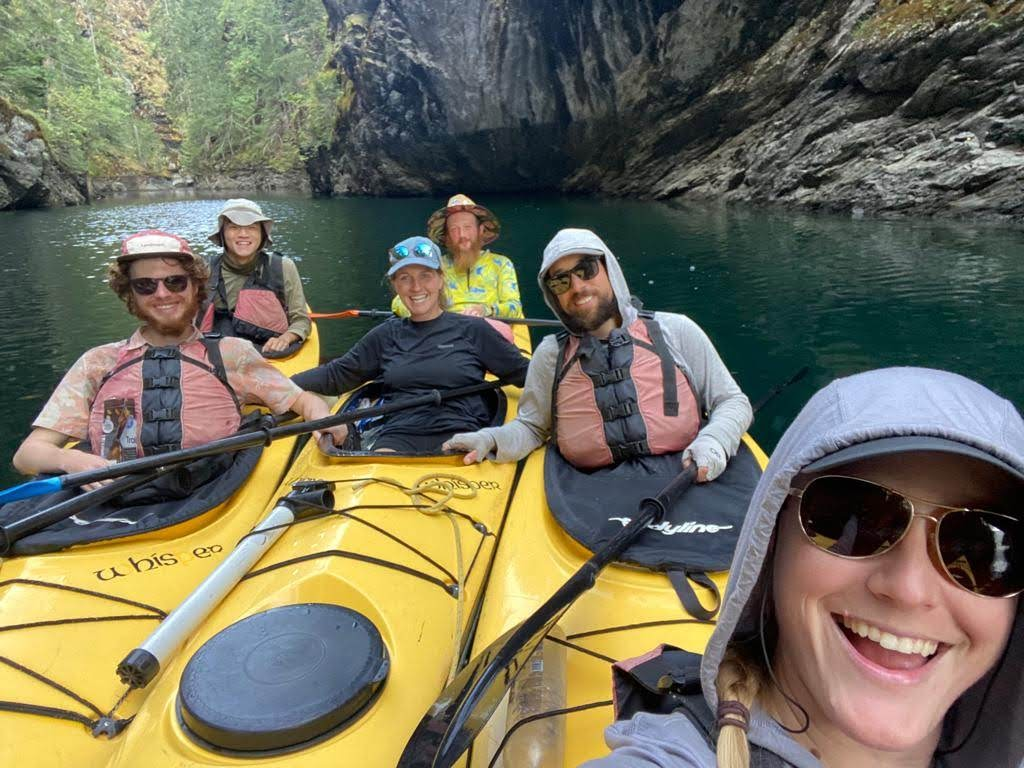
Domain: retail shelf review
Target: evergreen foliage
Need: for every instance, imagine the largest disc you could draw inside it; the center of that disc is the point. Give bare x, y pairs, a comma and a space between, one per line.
248, 83
62, 68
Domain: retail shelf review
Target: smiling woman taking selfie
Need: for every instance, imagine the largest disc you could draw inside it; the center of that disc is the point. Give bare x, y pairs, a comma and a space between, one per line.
431, 349
872, 616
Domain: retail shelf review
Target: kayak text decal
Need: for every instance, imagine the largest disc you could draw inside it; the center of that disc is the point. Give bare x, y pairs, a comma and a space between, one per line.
449, 484
668, 529
155, 561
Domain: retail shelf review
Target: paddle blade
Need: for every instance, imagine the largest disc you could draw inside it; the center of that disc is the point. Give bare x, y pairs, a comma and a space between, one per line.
467, 702
30, 489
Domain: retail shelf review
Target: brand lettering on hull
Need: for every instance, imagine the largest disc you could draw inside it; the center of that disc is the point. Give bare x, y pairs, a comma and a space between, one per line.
667, 529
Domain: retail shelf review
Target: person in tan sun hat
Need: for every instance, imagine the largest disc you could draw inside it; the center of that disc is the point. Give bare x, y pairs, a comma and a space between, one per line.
254, 293
478, 281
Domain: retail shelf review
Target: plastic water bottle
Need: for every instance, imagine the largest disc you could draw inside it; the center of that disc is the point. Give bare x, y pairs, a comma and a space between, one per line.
539, 688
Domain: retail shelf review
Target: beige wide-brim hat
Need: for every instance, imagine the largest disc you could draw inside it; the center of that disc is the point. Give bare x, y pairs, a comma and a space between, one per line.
437, 231
243, 213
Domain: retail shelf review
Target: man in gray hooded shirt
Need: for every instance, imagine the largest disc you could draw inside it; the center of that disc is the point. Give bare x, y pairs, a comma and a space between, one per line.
891, 417
597, 306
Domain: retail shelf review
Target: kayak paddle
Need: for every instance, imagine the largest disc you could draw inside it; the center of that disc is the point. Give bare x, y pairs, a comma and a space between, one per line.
261, 436
467, 703
144, 662
383, 314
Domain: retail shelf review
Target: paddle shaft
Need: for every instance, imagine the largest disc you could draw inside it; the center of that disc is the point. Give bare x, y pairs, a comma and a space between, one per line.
143, 663
260, 437
446, 748
383, 314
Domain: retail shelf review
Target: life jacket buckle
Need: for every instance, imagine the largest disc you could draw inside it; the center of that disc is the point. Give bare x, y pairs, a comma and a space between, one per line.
623, 451
162, 414
161, 382
604, 378
620, 410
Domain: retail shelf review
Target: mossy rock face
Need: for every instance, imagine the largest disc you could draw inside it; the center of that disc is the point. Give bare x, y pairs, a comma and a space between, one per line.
896, 18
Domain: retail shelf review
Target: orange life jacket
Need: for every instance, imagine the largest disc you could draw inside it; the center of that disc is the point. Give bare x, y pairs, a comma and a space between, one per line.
259, 313
163, 399
621, 398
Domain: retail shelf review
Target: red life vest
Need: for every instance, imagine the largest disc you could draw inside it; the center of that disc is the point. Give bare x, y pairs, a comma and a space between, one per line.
259, 313
621, 398
168, 397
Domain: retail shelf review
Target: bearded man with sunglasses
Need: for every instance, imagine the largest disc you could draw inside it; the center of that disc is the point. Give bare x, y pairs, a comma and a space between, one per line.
167, 386
621, 383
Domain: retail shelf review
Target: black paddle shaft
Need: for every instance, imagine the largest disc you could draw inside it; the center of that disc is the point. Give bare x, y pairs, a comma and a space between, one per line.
267, 435
442, 735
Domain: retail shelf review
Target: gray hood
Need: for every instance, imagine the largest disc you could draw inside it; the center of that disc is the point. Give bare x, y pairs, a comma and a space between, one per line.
879, 404
583, 241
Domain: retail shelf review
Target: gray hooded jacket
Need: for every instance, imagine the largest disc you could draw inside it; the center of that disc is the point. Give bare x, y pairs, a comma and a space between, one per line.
869, 406
717, 392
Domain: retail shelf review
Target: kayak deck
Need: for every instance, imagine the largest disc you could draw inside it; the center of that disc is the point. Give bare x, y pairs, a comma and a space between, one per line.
629, 611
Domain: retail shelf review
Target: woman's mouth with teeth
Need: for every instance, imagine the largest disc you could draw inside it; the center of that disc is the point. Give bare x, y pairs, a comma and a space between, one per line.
886, 649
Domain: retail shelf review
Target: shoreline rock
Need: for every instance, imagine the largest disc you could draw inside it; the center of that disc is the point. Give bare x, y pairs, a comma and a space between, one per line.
30, 177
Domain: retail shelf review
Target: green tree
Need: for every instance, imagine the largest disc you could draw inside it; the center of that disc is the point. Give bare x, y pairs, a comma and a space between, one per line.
248, 80
57, 62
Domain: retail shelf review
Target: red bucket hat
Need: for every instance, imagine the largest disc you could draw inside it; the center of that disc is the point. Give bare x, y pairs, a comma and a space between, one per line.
490, 228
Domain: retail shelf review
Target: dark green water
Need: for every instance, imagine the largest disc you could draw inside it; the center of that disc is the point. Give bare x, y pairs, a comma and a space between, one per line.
774, 291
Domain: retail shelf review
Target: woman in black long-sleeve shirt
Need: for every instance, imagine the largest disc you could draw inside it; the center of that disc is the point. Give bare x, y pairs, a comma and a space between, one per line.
430, 349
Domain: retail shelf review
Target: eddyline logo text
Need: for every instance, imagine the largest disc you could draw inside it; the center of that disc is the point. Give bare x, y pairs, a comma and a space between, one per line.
690, 526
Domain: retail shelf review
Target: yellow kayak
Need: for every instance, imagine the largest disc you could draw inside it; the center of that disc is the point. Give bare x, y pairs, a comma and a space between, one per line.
67, 617
391, 571
628, 612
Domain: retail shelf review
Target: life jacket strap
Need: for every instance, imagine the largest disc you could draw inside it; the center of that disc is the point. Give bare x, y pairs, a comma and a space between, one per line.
670, 402
162, 414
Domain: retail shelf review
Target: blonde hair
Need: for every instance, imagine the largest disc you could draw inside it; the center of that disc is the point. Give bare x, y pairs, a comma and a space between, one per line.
739, 680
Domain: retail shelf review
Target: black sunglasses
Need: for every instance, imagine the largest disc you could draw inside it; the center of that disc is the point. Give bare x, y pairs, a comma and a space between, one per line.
585, 269
146, 286
853, 518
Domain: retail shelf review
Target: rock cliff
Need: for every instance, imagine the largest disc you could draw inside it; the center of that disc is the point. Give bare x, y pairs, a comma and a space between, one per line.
873, 106
29, 175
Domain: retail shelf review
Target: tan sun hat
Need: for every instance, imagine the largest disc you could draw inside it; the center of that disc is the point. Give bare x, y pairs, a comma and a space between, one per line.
490, 228
242, 212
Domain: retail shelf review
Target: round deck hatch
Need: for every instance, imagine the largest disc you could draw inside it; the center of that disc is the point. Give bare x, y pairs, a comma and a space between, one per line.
282, 677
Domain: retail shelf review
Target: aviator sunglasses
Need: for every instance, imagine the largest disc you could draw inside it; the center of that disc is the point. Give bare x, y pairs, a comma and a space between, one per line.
146, 286
976, 549
585, 269
401, 251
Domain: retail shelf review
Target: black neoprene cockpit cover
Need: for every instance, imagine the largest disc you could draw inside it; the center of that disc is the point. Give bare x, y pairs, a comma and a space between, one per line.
181, 495
699, 533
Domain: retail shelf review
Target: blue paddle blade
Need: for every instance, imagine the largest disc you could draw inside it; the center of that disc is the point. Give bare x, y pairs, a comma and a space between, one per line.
30, 489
